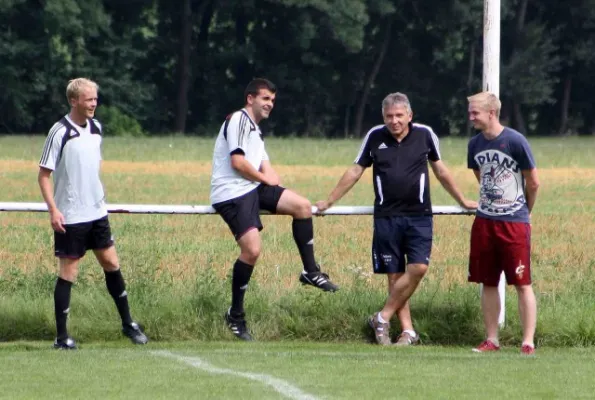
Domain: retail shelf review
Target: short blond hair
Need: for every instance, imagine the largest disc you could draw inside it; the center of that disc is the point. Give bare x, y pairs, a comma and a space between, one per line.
486, 100
75, 86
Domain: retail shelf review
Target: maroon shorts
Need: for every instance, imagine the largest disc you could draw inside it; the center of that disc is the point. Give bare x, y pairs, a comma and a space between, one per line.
498, 246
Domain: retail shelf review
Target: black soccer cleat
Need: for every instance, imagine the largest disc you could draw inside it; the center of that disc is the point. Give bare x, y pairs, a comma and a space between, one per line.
67, 343
237, 325
318, 279
135, 333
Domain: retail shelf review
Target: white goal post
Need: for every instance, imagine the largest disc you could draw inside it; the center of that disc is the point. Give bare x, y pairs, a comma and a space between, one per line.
491, 83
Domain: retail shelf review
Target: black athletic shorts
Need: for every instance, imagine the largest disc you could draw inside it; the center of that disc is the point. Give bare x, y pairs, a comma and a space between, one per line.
401, 240
81, 237
243, 213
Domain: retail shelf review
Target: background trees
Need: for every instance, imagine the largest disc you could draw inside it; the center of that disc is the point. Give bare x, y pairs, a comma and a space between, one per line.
182, 65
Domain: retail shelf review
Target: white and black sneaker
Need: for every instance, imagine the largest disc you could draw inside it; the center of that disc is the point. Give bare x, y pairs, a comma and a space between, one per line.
67, 343
318, 279
237, 325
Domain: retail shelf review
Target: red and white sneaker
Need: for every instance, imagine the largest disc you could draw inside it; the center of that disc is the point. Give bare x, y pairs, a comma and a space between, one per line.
527, 350
486, 346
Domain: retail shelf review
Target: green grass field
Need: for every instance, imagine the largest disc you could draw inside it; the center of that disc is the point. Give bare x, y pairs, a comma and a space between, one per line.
294, 370
315, 343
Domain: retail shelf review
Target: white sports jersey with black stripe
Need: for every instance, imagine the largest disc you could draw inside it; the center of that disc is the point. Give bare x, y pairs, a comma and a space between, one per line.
73, 153
238, 134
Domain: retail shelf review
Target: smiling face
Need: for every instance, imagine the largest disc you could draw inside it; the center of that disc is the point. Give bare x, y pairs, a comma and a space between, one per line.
480, 116
261, 105
83, 106
397, 118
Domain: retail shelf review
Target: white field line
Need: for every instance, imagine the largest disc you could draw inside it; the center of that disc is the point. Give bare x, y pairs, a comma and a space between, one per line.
281, 386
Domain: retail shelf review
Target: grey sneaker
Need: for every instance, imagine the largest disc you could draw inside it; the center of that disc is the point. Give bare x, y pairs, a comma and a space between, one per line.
405, 339
135, 333
381, 330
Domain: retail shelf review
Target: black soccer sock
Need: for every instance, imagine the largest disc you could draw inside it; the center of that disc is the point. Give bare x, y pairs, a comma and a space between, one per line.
117, 289
303, 234
239, 283
62, 306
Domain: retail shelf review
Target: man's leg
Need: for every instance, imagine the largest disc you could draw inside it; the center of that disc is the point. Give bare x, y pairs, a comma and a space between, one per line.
400, 292
69, 247
527, 313
108, 259
517, 267
300, 209
66, 277
403, 289
490, 306
250, 246
485, 269
408, 335
403, 313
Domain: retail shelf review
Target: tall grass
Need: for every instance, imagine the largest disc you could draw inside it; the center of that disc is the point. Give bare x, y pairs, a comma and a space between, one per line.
177, 266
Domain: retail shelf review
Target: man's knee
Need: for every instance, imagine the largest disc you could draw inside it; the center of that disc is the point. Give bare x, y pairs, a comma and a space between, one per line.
69, 269
417, 271
110, 265
392, 278
303, 209
250, 253
523, 290
108, 259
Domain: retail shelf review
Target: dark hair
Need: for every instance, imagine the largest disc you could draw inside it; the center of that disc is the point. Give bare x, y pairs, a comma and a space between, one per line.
256, 84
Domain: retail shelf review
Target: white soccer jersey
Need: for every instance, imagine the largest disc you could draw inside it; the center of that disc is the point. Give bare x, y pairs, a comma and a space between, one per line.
74, 154
238, 132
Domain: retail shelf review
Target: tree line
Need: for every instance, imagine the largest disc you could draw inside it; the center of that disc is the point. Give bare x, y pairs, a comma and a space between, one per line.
182, 65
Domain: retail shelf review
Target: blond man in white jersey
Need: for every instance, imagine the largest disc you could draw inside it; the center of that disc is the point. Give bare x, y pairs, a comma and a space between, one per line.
243, 183
76, 204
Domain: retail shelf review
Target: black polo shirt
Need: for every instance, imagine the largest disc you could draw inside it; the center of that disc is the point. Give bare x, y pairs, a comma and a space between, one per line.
401, 180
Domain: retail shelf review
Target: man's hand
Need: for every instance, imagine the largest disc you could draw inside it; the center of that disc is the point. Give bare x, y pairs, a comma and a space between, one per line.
322, 206
271, 179
57, 220
469, 204
269, 175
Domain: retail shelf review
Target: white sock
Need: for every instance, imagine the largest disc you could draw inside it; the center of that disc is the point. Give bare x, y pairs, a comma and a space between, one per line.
528, 344
411, 333
495, 341
380, 319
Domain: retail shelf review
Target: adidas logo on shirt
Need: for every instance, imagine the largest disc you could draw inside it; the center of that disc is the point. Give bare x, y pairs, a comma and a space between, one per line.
382, 146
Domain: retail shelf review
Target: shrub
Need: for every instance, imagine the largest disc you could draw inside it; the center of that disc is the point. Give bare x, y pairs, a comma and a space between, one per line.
117, 123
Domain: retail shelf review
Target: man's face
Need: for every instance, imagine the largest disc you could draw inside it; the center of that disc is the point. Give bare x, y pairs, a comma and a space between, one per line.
397, 119
479, 116
86, 103
262, 104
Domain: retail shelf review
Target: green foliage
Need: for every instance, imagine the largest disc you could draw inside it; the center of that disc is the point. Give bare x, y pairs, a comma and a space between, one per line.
116, 123
321, 53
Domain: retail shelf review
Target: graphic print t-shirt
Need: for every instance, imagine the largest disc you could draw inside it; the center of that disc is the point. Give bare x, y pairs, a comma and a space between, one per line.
500, 163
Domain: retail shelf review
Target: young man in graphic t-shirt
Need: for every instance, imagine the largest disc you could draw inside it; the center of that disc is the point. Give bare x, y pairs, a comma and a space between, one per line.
503, 164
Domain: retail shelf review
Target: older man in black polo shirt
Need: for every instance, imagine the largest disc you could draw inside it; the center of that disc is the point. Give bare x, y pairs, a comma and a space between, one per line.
399, 152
